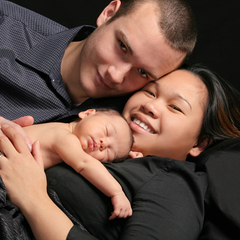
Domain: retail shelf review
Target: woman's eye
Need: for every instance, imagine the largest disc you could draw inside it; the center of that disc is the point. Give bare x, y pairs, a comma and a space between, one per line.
149, 92
122, 46
142, 73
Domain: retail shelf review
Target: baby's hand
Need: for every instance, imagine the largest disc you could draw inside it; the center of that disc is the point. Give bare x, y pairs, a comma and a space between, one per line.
133, 154
121, 205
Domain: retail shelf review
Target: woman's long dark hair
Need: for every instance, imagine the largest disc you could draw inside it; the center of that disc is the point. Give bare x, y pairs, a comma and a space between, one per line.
222, 117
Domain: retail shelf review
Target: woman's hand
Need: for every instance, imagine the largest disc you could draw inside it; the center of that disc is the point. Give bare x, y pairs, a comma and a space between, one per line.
22, 172
18, 124
25, 181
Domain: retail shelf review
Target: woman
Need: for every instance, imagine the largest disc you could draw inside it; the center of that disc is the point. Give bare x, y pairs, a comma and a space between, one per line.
180, 114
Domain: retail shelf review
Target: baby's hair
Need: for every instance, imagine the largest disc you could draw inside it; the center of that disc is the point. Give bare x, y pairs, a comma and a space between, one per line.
222, 117
131, 139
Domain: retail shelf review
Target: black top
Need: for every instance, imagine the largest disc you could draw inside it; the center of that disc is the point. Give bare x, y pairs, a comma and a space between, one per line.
167, 198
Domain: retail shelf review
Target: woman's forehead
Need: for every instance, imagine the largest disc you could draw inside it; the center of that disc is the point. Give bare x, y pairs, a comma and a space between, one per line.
180, 78
181, 83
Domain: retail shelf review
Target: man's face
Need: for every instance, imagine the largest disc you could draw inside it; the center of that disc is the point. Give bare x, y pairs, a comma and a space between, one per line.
124, 55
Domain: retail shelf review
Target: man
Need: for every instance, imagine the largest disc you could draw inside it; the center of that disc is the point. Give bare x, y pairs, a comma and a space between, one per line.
48, 70
56, 69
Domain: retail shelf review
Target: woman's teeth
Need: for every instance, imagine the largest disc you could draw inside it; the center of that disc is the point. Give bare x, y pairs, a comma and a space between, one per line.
142, 125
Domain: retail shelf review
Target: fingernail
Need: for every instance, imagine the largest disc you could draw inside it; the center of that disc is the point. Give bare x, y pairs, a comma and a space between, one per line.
5, 126
30, 147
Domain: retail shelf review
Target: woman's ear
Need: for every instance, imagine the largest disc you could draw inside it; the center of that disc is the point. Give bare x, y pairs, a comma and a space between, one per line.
133, 154
108, 12
200, 147
86, 113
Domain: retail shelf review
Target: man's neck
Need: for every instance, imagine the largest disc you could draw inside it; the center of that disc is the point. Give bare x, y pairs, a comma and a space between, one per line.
70, 72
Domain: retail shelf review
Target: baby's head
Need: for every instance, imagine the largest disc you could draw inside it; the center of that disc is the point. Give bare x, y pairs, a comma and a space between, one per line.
104, 134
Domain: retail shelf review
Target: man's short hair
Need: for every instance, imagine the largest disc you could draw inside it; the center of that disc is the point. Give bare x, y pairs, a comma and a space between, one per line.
176, 21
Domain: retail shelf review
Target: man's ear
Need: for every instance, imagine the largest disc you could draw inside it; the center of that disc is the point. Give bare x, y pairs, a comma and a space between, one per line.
86, 113
196, 150
108, 12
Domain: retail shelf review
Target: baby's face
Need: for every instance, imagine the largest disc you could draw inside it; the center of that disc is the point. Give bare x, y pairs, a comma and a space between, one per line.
166, 115
104, 136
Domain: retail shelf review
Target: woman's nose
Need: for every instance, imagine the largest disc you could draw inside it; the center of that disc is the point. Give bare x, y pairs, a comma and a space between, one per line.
151, 109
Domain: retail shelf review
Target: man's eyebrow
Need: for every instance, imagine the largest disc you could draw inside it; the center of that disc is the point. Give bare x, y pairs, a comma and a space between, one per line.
126, 42
155, 78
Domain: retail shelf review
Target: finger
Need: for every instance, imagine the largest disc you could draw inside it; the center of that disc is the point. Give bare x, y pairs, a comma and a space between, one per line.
113, 215
5, 144
2, 163
37, 154
24, 121
122, 214
130, 212
17, 142
19, 123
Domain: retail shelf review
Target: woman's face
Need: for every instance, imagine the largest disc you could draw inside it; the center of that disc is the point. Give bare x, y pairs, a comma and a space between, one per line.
166, 115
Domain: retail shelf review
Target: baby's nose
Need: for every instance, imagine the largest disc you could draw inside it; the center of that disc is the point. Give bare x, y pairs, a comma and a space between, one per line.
102, 145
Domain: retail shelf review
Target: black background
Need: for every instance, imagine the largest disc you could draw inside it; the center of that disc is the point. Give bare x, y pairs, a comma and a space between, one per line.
218, 28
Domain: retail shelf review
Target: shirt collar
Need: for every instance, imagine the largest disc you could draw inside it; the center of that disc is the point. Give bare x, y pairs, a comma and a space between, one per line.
44, 55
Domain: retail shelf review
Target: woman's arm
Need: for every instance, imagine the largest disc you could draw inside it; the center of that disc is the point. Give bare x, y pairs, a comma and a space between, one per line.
167, 199
25, 182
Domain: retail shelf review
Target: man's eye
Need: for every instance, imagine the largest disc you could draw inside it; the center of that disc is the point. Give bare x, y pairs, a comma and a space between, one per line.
149, 92
122, 46
143, 73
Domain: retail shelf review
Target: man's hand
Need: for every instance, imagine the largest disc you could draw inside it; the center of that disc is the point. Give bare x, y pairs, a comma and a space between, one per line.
17, 125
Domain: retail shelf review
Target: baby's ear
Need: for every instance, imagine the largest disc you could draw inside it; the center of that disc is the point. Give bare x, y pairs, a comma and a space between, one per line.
86, 113
133, 154
200, 147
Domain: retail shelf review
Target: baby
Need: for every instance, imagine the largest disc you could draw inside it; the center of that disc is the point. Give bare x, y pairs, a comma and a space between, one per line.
102, 135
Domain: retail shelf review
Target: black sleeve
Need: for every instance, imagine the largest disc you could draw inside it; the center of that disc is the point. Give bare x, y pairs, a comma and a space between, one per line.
167, 198
77, 233
168, 206
85, 203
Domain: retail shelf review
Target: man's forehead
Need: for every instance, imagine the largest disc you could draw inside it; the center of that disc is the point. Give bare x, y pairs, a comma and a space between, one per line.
147, 45
155, 59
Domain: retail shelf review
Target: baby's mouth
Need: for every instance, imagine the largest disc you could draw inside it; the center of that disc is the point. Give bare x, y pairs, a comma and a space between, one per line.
143, 125
93, 145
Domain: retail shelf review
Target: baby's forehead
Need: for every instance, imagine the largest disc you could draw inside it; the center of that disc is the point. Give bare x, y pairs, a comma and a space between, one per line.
108, 112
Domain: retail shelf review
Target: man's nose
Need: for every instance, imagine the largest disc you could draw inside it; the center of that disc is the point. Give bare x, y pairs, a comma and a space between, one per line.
118, 73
